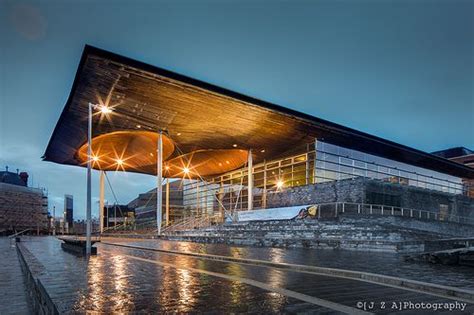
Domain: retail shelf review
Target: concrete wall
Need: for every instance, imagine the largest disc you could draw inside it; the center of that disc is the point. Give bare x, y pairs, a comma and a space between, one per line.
356, 190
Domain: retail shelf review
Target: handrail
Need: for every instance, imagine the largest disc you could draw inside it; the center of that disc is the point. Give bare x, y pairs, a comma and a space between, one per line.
342, 207
18, 233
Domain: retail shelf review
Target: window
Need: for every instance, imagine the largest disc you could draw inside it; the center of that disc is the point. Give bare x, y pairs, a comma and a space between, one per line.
377, 198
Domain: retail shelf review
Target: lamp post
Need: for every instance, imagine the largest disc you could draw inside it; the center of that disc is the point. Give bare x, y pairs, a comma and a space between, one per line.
89, 192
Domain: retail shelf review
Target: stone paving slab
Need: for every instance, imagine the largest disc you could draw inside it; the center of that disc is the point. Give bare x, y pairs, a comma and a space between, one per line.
343, 291
110, 283
128, 280
13, 292
381, 263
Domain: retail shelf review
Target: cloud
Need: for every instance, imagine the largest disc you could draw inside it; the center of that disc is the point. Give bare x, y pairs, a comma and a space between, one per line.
28, 21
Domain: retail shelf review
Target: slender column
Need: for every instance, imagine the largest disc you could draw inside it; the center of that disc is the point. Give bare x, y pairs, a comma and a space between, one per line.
89, 190
167, 201
264, 197
307, 175
221, 199
315, 159
159, 188
101, 200
250, 182
107, 207
197, 198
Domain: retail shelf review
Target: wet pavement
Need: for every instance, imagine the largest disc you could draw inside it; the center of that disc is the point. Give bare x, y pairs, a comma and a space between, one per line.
389, 264
122, 279
13, 297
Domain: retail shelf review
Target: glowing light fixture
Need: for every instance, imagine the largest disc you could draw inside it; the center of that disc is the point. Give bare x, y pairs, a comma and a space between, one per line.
119, 161
279, 184
263, 150
105, 109
234, 145
95, 158
186, 170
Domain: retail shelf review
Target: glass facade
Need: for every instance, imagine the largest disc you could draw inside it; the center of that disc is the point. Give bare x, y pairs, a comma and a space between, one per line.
327, 163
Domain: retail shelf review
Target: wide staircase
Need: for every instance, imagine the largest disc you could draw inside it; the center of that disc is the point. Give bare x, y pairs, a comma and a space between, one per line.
376, 233
148, 229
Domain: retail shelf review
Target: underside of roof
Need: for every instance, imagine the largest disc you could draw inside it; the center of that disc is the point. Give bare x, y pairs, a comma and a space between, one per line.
200, 116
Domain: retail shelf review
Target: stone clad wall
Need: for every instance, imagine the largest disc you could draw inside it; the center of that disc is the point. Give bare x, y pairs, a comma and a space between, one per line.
424, 199
335, 191
355, 190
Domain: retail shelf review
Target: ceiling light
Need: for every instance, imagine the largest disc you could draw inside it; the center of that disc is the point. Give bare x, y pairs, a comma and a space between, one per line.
186, 170
139, 126
234, 145
105, 110
179, 134
119, 162
263, 150
279, 184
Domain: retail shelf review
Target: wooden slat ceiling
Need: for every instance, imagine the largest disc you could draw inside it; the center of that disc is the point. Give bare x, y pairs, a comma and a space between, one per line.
200, 116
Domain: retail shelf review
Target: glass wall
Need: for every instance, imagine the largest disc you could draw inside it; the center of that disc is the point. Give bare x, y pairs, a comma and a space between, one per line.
328, 163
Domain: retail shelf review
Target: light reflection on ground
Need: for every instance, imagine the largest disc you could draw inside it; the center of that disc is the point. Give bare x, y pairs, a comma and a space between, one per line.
111, 282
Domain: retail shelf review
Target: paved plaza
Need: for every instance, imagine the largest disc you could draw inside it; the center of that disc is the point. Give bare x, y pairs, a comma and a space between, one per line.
126, 279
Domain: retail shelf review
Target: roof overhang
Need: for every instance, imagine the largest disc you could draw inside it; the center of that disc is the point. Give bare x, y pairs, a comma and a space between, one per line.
198, 115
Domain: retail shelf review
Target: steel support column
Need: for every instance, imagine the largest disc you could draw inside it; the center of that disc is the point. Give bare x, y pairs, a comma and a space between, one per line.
250, 182
159, 182
167, 201
315, 159
264, 196
101, 200
89, 186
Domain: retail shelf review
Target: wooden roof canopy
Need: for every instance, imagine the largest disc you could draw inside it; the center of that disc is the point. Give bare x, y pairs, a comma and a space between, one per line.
196, 116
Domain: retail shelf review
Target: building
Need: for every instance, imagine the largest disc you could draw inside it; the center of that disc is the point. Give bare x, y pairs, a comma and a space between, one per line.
118, 215
68, 213
145, 204
463, 156
21, 207
239, 153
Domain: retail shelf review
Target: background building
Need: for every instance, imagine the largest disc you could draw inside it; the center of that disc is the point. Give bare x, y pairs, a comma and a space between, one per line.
21, 207
145, 204
68, 212
118, 215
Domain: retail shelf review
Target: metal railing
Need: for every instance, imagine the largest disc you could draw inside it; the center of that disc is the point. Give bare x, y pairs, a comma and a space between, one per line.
327, 210
193, 223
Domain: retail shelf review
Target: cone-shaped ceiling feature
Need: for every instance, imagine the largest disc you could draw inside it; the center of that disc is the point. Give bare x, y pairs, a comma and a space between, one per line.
205, 163
126, 151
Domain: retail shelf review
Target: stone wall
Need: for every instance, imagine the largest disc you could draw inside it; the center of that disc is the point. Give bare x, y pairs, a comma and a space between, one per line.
351, 232
423, 199
357, 190
41, 301
335, 191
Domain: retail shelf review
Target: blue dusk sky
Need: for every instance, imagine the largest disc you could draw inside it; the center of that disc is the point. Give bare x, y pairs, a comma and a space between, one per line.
401, 70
